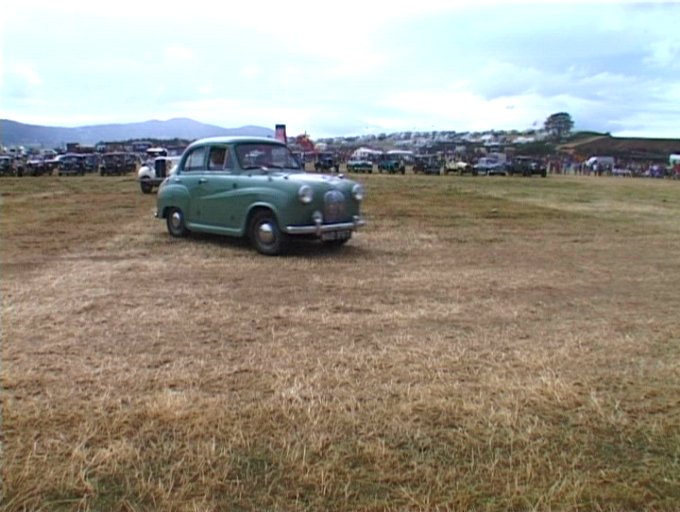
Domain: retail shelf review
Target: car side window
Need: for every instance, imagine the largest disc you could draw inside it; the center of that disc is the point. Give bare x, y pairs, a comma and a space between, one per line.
195, 160
216, 159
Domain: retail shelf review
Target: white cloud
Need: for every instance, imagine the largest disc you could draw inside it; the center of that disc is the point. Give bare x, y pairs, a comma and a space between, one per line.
207, 89
664, 54
178, 54
21, 80
26, 74
250, 71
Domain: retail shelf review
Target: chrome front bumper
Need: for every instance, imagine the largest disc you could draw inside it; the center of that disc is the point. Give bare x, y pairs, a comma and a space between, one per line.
319, 228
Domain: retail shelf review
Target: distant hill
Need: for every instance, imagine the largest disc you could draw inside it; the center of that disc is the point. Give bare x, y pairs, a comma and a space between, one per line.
13, 133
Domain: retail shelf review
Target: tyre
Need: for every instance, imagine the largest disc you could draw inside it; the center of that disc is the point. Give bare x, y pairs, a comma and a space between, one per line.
175, 223
265, 235
145, 186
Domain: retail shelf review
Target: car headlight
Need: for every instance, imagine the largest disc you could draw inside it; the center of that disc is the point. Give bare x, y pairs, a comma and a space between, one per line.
305, 194
358, 192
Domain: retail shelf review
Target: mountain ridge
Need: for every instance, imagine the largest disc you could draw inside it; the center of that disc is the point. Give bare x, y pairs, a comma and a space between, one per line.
14, 133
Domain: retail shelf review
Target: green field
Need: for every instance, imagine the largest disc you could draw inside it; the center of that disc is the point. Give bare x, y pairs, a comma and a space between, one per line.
484, 344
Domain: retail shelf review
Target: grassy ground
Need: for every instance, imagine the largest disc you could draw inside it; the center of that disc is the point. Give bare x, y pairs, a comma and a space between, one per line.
484, 344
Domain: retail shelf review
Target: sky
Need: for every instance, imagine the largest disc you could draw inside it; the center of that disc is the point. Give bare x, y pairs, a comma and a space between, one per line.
344, 68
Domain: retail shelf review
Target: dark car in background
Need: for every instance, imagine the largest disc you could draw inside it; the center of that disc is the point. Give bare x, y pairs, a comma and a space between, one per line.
527, 166
6, 166
37, 166
326, 162
91, 162
490, 167
70, 164
117, 164
427, 164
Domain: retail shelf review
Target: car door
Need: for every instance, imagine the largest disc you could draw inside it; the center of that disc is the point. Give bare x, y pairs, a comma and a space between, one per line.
193, 169
212, 188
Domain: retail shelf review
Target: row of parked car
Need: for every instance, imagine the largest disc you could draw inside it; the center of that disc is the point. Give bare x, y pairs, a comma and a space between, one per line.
107, 164
433, 164
519, 165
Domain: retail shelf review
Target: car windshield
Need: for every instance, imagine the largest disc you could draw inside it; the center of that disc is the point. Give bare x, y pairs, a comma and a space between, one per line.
265, 156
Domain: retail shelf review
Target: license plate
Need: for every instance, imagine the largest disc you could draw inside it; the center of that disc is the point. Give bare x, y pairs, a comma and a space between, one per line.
336, 235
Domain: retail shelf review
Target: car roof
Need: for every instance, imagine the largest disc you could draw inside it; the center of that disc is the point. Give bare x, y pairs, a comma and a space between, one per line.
234, 139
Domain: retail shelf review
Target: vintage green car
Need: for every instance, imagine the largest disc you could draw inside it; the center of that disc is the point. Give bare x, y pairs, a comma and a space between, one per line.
255, 187
391, 165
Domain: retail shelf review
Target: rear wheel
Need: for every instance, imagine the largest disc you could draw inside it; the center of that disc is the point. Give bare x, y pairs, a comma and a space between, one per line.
175, 223
265, 234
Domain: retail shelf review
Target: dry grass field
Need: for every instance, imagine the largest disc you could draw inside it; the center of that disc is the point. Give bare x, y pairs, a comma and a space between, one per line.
485, 344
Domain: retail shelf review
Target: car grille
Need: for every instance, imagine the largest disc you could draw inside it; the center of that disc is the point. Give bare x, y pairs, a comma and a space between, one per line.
334, 206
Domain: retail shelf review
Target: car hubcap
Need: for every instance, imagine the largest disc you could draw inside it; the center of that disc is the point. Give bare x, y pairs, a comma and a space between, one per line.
176, 219
266, 233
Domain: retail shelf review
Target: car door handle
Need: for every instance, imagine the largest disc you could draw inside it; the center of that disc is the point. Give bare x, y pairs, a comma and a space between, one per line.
203, 180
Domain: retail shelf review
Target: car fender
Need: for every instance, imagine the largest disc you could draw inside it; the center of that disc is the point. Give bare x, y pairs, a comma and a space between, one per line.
172, 195
145, 172
267, 205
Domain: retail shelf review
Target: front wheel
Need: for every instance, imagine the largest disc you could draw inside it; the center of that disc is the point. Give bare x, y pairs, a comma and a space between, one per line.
265, 234
175, 223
